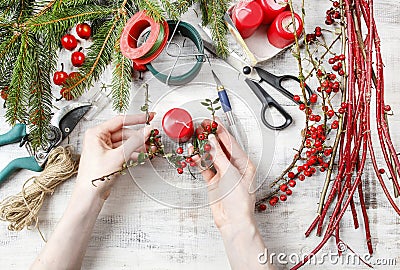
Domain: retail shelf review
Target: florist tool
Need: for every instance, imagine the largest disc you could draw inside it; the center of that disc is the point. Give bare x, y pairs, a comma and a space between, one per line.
226, 106
256, 75
62, 124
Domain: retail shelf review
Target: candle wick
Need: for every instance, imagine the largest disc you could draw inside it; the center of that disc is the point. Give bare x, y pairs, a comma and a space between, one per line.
183, 123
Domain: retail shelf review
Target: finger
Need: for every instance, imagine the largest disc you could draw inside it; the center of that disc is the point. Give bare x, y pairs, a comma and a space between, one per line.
237, 156
118, 122
142, 148
220, 162
122, 134
136, 141
207, 173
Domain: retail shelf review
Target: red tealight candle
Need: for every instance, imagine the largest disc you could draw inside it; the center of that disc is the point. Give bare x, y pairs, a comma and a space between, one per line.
247, 16
281, 32
272, 8
177, 124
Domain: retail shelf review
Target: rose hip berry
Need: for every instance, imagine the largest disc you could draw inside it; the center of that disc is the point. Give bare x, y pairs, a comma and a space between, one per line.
179, 170
207, 147
179, 150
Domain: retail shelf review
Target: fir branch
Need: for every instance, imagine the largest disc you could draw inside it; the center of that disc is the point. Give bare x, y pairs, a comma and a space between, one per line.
97, 59
175, 9
121, 80
18, 88
216, 12
68, 17
40, 95
153, 9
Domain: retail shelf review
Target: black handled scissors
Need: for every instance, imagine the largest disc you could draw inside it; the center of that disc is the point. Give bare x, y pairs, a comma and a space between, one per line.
254, 76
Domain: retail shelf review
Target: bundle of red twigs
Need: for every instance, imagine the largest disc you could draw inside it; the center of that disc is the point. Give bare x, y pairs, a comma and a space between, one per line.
364, 81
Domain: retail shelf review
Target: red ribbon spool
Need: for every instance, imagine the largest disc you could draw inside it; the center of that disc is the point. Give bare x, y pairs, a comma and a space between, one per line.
132, 30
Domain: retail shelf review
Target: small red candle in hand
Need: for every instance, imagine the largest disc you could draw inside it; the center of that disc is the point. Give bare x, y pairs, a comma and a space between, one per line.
177, 124
247, 17
272, 8
281, 31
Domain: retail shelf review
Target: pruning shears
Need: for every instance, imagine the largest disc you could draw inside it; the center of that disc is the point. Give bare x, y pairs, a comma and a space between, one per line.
62, 124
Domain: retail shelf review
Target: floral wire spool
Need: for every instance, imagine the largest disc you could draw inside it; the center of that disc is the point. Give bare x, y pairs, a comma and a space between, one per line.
179, 63
142, 27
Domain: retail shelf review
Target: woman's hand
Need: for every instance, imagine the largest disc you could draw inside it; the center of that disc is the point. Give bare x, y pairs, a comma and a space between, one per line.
230, 185
105, 149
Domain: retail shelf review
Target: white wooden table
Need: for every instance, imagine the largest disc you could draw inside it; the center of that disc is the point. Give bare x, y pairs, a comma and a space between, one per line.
138, 230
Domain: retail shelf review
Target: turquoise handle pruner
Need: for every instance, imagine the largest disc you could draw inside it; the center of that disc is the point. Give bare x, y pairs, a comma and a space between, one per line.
13, 136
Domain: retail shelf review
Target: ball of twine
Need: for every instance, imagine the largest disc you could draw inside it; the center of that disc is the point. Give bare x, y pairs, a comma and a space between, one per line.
21, 210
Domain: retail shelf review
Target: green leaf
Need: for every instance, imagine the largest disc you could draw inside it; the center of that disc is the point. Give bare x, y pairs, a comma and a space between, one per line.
219, 107
216, 101
208, 100
144, 108
211, 109
204, 103
141, 158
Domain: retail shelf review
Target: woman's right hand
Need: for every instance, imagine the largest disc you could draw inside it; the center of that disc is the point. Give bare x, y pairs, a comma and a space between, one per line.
230, 185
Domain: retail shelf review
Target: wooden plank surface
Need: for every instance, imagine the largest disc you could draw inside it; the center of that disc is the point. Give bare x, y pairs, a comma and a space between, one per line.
138, 228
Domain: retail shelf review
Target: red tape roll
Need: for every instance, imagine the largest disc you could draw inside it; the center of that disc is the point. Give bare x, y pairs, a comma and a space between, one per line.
132, 30
158, 51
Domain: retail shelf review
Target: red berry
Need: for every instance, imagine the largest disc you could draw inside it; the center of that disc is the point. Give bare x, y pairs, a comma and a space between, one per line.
317, 118
387, 108
273, 200
328, 152
69, 42
208, 128
296, 98
283, 197
179, 150
331, 61
341, 72
4, 93
313, 98
156, 132
283, 187
336, 4
342, 57
291, 175
214, 124
292, 183
189, 159
381, 170
335, 124
322, 169
183, 164
318, 34
60, 77
74, 76
302, 106
262, 207
318, 29
77, 59
289, 192
207, 147
179, 170
330, 113
139, 67
335, 67
302, 177
332, 76
341, 110
201, 136
192, 164
319, 73
83, 30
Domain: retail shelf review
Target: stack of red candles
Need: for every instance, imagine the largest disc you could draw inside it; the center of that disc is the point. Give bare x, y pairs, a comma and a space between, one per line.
249, 15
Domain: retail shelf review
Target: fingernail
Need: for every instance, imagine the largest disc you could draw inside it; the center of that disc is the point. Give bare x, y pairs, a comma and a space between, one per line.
190, 145
211, 137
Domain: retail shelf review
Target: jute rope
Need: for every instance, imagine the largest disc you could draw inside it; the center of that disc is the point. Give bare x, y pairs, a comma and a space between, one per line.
21, 210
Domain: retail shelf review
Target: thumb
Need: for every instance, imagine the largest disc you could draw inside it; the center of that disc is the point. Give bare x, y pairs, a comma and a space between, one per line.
138, 139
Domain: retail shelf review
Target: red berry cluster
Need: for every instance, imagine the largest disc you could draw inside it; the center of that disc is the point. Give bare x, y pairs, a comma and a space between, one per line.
313, 37
329, 83
333, 13
205, 129
69, 42
337, 64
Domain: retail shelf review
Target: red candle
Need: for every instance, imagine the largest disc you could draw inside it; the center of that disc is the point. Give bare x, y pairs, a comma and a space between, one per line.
247, 17
177, 124
281, 32
272, 8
